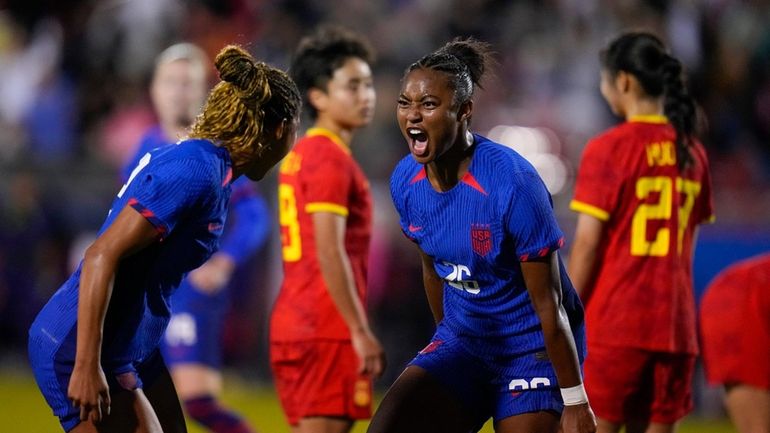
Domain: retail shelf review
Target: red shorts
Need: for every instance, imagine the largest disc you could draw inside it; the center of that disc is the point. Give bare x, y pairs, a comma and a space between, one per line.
319, 378
735, 336
626, 384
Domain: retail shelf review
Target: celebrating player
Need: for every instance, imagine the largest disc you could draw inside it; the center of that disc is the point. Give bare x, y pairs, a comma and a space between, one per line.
322, 350
94, 346
509, 324
735, 332
192, 347
642, 189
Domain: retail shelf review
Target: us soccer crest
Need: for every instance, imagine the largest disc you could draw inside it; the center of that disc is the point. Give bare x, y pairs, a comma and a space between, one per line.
481, 239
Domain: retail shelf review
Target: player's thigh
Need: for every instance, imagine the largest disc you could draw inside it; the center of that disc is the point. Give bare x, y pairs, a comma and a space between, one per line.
416, 402
130, 412
161, 395
749, 408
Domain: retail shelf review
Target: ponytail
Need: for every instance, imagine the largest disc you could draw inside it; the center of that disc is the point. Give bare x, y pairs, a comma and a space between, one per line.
644, 56
679, 107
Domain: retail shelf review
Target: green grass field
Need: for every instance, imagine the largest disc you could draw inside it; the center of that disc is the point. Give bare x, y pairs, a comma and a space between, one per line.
23, 410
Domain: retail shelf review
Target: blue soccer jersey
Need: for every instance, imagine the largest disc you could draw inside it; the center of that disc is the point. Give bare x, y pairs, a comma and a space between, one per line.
183, 191
478, 232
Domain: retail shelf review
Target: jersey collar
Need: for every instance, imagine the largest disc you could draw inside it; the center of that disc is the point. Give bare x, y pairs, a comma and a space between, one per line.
648, 118
316, 131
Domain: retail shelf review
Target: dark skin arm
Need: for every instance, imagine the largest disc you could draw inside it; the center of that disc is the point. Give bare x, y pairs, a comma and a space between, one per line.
329, 231
129, 233
434, 287
585, 249
544, 287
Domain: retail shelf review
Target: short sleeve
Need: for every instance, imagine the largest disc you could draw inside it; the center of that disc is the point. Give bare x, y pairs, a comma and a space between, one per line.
530, 219
164, 193
598, 185
396, 194
327, 184
705, 203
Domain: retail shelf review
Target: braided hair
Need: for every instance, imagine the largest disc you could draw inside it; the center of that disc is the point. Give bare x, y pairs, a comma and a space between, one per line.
646, 57
464, 60
252, 98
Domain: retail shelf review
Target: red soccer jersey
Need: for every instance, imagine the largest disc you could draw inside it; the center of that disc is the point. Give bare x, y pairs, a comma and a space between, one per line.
735, 324
319, 175
641, 295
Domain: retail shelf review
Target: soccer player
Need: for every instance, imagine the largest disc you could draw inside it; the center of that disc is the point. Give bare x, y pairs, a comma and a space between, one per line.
322, 350
642, 189
509, 338
94, 345
192, 347
735, 333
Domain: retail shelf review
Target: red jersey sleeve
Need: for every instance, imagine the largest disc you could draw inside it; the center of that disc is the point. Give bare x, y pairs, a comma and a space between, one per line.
704, 208
327, 183
599, 181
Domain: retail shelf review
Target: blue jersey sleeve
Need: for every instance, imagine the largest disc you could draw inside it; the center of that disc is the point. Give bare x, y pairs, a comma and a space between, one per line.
530, 218
397, 185
250, 224
165, 192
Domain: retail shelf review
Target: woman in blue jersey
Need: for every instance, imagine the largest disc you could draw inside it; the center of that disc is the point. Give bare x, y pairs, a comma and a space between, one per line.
509, 338
192, 347
94, 346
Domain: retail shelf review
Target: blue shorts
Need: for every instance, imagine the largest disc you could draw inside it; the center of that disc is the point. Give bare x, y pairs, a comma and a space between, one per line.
498, 387
53, 377
194, 334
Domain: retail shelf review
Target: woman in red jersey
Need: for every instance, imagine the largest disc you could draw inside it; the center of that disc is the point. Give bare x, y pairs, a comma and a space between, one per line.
735, 333
642, 189
323, 352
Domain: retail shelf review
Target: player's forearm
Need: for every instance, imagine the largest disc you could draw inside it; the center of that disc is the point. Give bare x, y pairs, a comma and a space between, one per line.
543, 281
338, 276
560, 346
96, 280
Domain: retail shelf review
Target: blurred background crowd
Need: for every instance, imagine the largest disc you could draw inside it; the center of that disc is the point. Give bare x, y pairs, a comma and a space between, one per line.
74, 104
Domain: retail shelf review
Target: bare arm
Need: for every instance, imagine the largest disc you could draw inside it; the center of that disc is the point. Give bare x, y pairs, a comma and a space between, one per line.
544, 287
329, 231
129, 233
434, 287
582, 258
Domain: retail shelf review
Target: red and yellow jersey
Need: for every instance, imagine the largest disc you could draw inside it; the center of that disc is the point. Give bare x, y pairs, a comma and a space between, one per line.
641, 295
319, 175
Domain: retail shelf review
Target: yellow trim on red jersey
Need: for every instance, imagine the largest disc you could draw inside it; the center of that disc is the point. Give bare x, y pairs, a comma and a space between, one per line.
711, 220
326, 207
648, 118
579, 206
316, 131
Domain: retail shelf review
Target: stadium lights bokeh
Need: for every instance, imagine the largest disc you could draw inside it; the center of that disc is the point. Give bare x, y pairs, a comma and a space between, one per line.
541, 147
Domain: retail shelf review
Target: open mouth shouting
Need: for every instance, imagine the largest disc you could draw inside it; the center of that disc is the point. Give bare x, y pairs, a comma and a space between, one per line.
418, 141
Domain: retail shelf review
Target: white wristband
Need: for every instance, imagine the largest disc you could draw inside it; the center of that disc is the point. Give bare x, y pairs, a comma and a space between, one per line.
574, 396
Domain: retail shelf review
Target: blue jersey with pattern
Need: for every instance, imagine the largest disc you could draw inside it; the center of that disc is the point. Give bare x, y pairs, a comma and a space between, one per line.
477, 233
183, 191
249, 224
